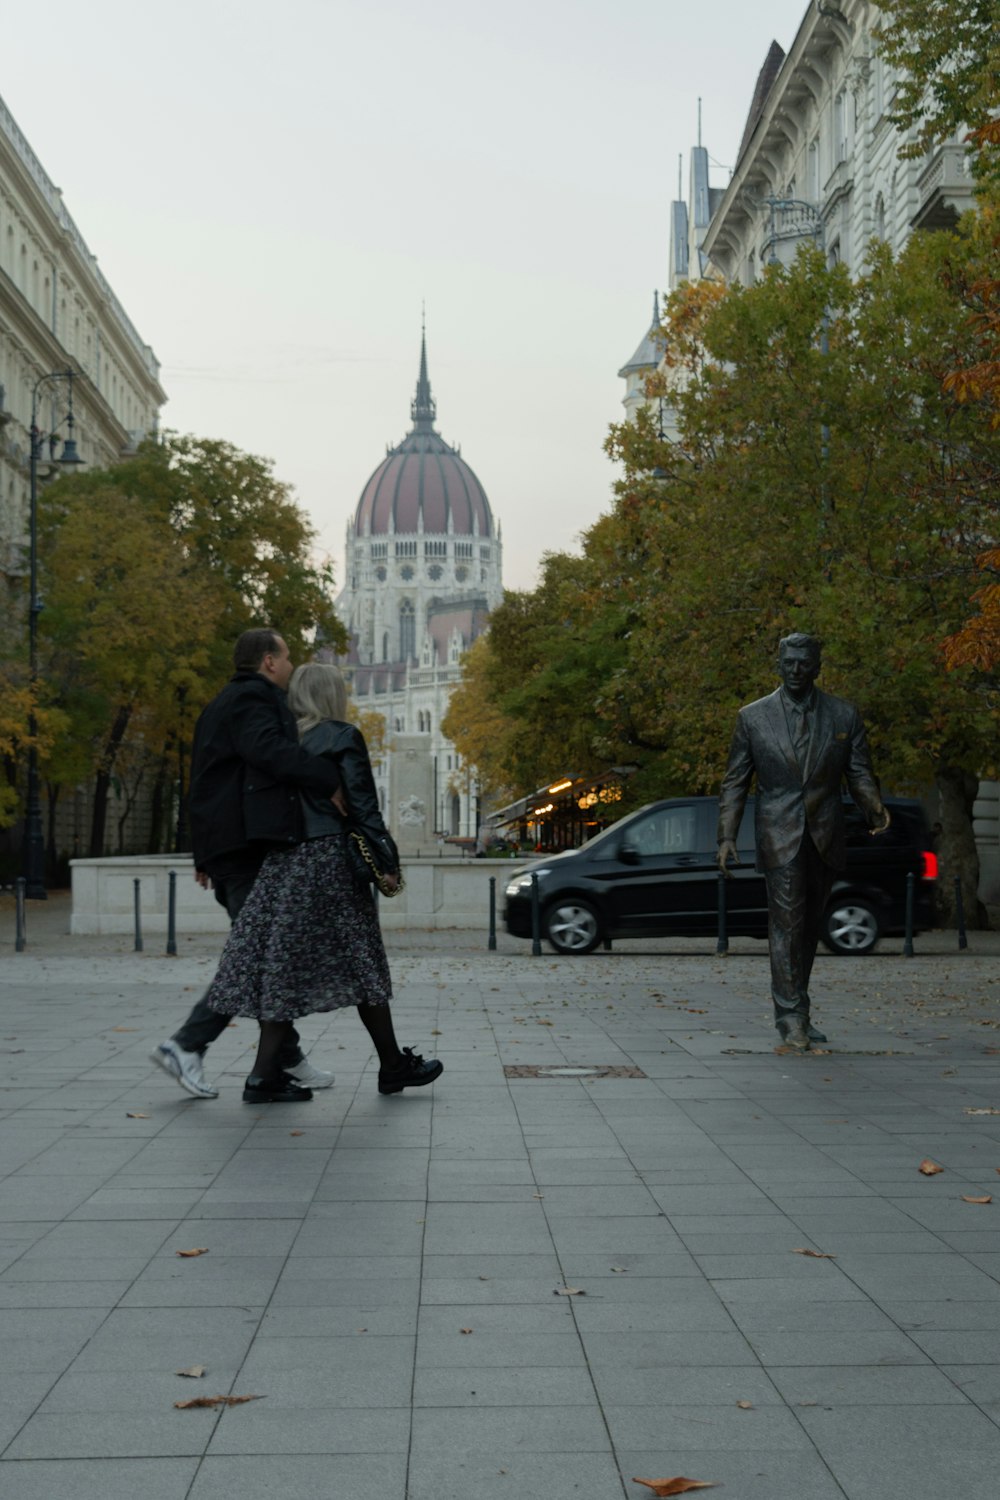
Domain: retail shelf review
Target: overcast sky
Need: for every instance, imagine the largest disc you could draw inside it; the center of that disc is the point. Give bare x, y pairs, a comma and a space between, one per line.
273, 189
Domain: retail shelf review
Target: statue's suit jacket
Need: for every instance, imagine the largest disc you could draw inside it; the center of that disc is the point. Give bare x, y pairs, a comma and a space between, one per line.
790, 799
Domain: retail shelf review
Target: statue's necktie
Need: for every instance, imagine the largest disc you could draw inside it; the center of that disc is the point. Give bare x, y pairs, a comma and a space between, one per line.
801, 739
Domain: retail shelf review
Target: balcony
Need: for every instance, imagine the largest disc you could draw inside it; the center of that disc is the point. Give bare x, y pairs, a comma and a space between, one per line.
944, 188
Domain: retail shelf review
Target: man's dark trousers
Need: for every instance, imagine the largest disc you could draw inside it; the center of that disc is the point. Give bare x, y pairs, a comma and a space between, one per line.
204, 1025
797, 894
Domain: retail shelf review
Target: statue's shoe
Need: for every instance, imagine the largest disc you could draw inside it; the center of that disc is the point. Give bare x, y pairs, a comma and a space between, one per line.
794, 1034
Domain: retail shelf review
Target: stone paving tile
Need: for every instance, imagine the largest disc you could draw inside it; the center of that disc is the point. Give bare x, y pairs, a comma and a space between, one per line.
867, 1385
530, 1476
113, 1435
544, 1386
98, 1479
898, 1452
254, 1428
369, 1476
782, 1475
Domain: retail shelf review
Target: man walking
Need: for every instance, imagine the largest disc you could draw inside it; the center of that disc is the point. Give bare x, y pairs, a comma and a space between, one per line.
801, 744
246, 771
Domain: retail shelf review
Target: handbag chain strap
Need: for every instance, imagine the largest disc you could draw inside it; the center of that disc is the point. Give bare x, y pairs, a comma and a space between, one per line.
377, 875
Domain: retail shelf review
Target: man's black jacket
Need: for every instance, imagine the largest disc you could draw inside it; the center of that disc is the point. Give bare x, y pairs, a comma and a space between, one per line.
246, 771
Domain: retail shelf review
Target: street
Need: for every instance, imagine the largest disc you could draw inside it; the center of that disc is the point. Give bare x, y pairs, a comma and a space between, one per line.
712, 1261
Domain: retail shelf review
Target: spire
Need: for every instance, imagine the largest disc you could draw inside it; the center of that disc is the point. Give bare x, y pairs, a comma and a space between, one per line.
423, 408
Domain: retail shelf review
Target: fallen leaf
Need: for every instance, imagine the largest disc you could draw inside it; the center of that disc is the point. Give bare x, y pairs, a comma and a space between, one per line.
745, 1405
124, 1028
679, 1486
187, 1253
620, 1270
215, 1401
569, 1291
815, 1254
296, 1132
135, 1115
930, 1168
540, 1022
435, 1033
195, 1372
986, 1198
982, 1111
486, 1278
465, 1330
538, 1195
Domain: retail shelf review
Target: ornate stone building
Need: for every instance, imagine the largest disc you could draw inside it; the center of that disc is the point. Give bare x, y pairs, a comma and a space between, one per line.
423, 570
818, 142
58, 312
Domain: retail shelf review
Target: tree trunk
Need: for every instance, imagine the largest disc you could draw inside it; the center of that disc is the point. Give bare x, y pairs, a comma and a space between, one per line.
957, 852
102, 782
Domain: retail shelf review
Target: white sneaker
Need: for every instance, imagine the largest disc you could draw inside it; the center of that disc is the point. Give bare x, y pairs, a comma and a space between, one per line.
313, 1078
186, 1067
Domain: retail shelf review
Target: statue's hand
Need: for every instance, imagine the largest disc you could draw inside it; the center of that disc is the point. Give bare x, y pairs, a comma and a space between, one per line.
882, 824
727, 855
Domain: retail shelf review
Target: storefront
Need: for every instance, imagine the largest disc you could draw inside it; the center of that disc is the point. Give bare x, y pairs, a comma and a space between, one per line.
563, 815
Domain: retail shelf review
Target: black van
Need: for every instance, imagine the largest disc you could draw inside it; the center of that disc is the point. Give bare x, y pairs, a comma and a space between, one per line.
653, 874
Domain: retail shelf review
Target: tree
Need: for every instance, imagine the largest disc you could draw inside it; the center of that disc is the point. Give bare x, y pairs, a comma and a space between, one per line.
152, 568
948, 52
843, 492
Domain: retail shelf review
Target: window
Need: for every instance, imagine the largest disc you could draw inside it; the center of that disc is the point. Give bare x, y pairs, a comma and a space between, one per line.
672, 830
435, 549
406, 549
385, 646
407, 631
880, 217
812, 172
463, 549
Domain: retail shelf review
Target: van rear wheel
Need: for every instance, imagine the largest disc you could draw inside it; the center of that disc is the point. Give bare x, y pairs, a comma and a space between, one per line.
850, 927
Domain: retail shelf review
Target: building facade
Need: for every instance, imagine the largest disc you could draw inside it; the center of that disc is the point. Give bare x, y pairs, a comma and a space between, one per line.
423, 570
58, 312
820, 157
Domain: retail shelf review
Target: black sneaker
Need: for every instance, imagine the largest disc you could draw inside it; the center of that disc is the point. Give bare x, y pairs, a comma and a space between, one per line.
410, 1073
279, 1090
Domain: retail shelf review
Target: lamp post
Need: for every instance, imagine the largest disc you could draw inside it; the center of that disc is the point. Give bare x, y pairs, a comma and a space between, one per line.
33, 855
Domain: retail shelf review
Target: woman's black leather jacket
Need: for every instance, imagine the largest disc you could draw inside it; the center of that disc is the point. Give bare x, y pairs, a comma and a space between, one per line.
345, 745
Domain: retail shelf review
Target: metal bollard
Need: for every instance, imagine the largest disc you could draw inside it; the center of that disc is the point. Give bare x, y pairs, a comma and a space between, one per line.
21, 932
722, 942
536, 919
492, 941
172, 914
963, 941
908, 938
138, 917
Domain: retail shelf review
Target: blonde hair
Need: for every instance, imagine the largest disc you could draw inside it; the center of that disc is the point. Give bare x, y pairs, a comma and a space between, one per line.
316, 692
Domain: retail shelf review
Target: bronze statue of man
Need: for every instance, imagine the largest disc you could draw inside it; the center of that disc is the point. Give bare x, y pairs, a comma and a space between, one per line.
801, 744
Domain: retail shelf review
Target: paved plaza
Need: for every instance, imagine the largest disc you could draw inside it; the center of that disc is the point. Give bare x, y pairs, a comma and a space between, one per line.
505, 1287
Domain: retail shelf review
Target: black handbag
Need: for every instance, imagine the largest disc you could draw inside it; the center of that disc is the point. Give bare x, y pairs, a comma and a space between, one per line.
363, 856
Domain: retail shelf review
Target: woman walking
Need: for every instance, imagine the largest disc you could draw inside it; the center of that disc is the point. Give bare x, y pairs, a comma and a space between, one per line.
308, 937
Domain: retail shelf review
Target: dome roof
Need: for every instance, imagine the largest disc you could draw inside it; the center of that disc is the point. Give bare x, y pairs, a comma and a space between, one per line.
423, 483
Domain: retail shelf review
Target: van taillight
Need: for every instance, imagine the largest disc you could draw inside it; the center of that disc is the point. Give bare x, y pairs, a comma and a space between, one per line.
929, 870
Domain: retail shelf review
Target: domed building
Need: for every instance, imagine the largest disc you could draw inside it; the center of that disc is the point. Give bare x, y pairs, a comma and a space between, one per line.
423, 572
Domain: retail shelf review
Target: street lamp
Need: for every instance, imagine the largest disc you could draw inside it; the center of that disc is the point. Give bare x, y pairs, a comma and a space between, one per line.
33, 854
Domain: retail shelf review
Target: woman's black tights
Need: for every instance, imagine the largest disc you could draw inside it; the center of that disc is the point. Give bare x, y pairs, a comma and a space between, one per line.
377, 1021
275, 1036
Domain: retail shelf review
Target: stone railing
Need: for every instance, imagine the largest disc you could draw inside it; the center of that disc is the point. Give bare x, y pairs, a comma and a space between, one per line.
439, 893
